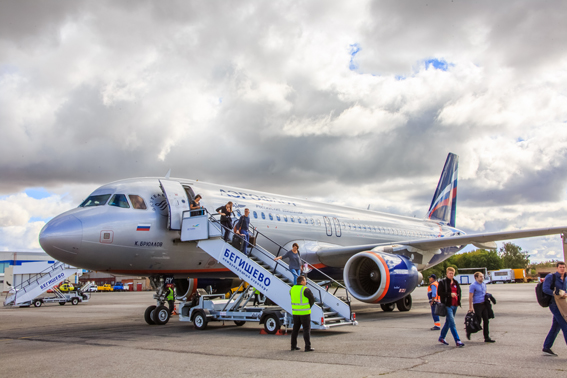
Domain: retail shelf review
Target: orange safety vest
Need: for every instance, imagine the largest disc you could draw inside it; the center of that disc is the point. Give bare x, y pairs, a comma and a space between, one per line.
437, 298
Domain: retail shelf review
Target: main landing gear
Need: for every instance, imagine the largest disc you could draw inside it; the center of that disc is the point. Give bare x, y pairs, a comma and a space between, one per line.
158, 314
403, 305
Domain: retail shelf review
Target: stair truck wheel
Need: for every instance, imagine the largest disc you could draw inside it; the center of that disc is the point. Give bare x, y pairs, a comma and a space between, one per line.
37, 303
200, 320
148, 315
272, 324
405, 303
239, 323
388, 307
161, 315
61, 303
75, 301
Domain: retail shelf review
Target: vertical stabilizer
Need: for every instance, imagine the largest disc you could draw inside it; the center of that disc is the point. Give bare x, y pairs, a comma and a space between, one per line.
444, 204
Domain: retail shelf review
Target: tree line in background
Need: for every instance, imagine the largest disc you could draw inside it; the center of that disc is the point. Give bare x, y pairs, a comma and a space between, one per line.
510, 256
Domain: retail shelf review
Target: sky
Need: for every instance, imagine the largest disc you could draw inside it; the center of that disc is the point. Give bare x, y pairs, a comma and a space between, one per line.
349, 104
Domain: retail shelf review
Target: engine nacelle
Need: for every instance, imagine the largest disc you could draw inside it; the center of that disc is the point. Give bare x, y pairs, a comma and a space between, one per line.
379, 277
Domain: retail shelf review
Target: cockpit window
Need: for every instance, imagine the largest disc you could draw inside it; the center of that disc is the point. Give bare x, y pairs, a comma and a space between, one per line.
137, 202
119, 200
95, 200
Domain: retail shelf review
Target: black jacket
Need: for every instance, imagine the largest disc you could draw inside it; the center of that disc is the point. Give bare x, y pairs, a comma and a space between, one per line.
225, 218
444, 291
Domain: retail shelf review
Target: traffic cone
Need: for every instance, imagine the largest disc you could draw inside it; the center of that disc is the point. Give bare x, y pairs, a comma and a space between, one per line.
174, 312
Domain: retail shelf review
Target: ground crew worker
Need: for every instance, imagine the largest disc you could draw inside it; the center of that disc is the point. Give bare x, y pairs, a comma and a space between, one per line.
170, 297
433, 299
301, 302
256, 297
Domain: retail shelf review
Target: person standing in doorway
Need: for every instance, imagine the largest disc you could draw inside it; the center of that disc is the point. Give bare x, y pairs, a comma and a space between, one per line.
294, 259
301, 302
477, 292
555, 286
432, 294
450, 295
225, 219
194, 205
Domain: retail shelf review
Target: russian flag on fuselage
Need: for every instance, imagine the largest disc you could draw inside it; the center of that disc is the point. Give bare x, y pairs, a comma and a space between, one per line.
143, 227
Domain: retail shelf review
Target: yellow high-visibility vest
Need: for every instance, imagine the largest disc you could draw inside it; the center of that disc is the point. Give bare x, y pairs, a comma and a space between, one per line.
299, 302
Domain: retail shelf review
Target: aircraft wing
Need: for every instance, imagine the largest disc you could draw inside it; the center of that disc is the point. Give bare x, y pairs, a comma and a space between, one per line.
339, 255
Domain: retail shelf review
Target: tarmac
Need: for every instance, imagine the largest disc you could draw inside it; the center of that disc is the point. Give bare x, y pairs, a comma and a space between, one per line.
108, 337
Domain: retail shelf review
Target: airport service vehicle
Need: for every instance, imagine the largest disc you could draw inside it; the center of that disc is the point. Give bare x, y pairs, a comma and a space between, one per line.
75, 296
105, 287
119, 286
134, 227
465, 279
520, 275
66, 287
502, 275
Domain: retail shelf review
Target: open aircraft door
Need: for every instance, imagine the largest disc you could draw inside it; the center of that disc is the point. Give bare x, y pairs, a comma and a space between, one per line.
177, 202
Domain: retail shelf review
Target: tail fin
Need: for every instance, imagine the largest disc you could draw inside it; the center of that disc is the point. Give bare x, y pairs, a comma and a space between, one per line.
444, 204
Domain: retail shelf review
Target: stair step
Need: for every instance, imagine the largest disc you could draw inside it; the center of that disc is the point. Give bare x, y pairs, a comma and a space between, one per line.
329, 314
336, 319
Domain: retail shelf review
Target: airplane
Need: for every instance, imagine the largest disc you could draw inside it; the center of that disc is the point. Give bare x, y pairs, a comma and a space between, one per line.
132, 227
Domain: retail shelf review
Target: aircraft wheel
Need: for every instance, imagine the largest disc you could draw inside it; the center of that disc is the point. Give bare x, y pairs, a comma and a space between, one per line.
37, 303
61, 303
161, 315
388, 307
272, 324
75, 301
200, 320
148, 315
239, 323
405, 303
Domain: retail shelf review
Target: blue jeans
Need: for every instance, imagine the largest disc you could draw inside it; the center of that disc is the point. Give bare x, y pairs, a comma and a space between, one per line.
246, 237
558, 323
450, 323
296, 274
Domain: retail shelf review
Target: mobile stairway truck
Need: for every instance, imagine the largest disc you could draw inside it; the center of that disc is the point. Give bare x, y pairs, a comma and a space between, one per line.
271, 278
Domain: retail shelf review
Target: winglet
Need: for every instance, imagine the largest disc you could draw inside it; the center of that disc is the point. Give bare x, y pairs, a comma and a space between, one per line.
167, 174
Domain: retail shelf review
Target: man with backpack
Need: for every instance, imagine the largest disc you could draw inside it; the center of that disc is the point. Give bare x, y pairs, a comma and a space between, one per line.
554, 287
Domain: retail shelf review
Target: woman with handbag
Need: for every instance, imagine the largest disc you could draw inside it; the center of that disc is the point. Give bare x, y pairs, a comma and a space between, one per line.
450, 294
225, 219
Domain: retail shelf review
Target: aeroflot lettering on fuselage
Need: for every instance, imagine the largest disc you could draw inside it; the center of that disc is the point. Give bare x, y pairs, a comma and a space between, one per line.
254, 197
246, 269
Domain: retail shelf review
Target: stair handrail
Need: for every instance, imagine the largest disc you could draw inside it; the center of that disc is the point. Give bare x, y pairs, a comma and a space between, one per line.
39, 275
285, 265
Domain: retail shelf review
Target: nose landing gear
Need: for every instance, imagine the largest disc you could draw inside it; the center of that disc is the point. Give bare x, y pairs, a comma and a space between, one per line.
158, 314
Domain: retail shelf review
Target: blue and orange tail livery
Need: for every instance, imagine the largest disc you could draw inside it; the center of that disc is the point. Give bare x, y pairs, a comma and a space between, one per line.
444, 204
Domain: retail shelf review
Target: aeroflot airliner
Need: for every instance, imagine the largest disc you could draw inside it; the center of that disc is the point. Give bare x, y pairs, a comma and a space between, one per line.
133, 227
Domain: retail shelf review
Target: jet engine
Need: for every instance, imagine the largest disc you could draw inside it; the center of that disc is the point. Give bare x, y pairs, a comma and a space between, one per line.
379, 277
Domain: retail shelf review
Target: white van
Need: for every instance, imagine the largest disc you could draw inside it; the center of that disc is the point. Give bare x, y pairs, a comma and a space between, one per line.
502, 275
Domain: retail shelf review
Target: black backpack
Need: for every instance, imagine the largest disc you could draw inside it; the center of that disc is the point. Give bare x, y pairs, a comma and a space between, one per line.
543, 299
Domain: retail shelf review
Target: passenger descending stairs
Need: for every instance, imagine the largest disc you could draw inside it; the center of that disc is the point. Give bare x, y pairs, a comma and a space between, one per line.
274, 280
24, 293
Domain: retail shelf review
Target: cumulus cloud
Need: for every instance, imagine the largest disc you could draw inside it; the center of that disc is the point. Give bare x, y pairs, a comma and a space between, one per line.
349, 105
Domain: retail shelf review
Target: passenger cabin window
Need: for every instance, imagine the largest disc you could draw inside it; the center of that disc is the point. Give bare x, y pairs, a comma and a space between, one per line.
137, 202
255, 215
95, 200
263, 216
312, 221
298, 220
292, 219
306, 221
278, 217
271, 216
285, 218
238, 213
119, 200
318, 222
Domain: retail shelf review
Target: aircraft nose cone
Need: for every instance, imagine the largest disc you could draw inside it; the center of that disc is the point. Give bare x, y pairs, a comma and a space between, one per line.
61, 238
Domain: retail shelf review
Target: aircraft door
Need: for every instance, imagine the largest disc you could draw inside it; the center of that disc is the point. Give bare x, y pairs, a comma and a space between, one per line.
337, 227
328, 226
176, 201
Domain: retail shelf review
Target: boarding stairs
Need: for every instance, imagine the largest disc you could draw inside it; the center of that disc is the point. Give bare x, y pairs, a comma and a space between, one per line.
271, 278
25, 292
